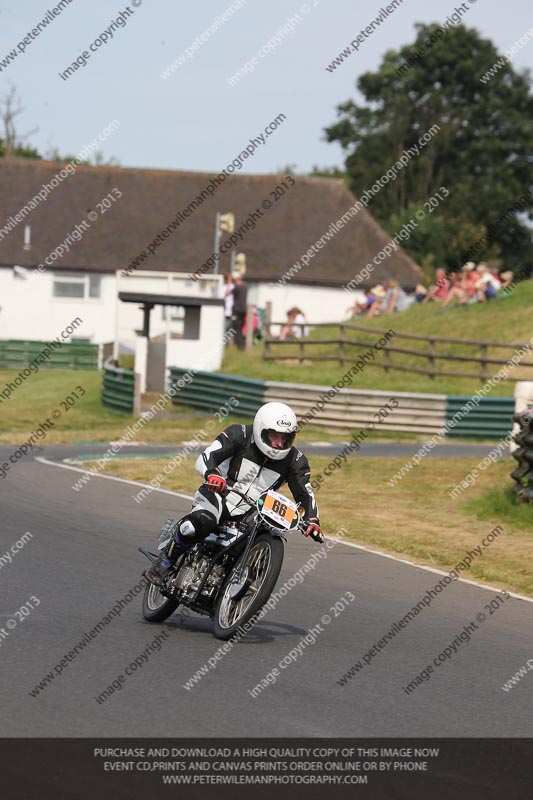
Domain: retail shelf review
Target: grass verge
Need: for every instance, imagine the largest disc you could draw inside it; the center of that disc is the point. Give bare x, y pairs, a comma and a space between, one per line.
416, 519
36, 399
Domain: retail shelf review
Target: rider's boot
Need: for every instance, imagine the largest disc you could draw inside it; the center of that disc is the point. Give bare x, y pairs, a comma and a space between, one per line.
168, 557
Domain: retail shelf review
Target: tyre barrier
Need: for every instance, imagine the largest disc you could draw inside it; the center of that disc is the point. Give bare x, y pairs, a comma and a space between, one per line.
523, 453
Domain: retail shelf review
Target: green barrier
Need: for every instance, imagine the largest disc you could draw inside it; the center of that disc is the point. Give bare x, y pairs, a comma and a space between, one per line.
17, 354
210, 390
118, 389
491, 418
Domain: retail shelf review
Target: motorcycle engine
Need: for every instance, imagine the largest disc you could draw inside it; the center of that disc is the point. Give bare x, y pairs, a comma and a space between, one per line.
190, 575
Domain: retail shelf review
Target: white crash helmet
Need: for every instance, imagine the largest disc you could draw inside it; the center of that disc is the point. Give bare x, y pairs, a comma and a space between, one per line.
277, 417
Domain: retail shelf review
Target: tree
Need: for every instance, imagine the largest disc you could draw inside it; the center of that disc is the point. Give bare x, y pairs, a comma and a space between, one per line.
330, 172
13, 143
483, 152
97, 160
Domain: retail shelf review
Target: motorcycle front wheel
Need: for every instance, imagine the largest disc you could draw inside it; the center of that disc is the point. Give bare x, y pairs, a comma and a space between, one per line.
240, 600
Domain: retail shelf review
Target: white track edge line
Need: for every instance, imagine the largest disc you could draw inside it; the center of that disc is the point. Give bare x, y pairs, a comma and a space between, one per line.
431, 569
44, 460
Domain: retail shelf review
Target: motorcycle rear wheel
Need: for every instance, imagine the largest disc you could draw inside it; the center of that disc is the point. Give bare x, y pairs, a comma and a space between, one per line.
263, 564
157, 607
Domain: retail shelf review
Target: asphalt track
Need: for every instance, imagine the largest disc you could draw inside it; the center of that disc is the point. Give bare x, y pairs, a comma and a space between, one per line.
83, 557
367, 449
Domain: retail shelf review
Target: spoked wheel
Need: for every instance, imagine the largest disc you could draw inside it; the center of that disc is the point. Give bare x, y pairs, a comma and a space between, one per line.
247, 589
157, 607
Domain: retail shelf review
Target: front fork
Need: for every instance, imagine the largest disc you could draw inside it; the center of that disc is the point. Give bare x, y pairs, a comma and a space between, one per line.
239, 573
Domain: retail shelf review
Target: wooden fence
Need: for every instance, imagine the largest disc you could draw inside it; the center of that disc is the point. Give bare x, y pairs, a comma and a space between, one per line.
346, 352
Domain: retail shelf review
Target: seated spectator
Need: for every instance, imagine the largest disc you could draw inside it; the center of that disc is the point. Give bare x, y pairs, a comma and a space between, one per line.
420, 293
295, 327
300, 328
454, 278
487, 285
439, 290
395, 300
364, 306
470, 279
465, 289
506, 278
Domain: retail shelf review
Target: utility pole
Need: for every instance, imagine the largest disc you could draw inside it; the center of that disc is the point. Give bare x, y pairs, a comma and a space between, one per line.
226, 223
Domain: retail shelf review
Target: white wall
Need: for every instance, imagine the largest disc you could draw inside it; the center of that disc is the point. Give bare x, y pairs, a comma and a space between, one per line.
204, 353
29, 310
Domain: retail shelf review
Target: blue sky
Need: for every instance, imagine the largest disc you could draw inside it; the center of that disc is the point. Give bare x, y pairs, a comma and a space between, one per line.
194, 119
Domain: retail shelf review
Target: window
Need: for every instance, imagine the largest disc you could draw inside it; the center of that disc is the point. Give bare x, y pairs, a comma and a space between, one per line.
94, 285
69, 288
176, 312
74, 285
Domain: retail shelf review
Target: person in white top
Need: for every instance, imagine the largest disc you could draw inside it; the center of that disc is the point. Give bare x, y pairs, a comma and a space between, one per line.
300, 328
488, 284
295, 327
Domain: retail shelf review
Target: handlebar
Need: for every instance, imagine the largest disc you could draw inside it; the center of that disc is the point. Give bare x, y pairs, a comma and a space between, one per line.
242, 495
301, 525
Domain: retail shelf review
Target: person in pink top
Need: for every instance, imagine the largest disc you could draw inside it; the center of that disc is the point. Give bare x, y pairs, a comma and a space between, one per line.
465, 291
440, 289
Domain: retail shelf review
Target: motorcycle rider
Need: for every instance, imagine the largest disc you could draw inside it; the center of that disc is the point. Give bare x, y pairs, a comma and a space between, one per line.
251, 458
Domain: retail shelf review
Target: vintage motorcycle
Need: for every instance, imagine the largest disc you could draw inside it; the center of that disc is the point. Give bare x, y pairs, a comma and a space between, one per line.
231, 574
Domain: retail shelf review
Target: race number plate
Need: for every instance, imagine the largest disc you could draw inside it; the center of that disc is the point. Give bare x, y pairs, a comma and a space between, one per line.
280, 509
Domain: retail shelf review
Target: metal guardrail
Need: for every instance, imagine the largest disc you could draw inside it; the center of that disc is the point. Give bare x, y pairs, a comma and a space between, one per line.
17, 354
210, 390
523, 473
492, 418
118, 389
347, 408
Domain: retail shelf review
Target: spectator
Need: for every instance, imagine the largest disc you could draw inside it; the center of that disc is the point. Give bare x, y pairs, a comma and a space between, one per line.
364, 306
439, 290
255, 325
287, 331
228, 300
464, 289
420, 293
488, 284
240, 296
300, 328
292, 330
506, 279
395, 299
454, 278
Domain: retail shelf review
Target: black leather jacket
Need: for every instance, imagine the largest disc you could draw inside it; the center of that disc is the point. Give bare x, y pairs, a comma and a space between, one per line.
244, 466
